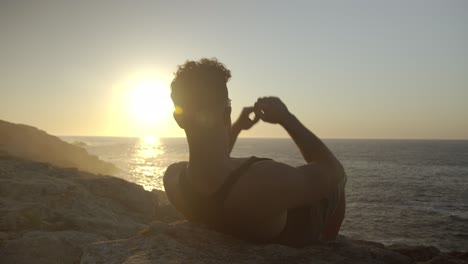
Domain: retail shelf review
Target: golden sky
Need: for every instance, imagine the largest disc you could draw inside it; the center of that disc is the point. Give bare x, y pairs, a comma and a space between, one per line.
365, 69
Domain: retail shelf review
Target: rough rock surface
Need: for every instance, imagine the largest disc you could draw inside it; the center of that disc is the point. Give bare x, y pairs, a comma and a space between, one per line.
183, 242
33, 144
47, 247
40, 197
55, 215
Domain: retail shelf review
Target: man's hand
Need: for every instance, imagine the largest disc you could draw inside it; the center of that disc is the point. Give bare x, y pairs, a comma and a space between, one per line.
272, 110
244, 122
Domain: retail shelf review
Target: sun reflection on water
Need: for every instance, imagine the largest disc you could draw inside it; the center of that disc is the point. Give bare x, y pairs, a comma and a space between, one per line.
147, 166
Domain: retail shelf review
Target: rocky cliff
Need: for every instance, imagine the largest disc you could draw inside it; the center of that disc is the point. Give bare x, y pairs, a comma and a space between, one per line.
56, 215
31, 143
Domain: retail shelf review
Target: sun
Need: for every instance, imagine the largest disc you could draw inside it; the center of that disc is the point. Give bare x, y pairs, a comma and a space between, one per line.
141, 105
149, 101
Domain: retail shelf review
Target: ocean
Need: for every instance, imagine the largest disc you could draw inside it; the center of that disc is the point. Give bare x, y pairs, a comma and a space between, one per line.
398, 191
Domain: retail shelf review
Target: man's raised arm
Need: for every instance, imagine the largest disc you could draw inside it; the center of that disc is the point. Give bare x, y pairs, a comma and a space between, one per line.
242, 123
273, 110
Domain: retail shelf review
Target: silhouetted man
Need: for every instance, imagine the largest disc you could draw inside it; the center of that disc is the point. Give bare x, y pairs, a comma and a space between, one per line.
253, 198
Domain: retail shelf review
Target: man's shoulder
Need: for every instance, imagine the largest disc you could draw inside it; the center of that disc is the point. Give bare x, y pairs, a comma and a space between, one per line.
173, 171
177, 166
171, 184
271, 171
270, 166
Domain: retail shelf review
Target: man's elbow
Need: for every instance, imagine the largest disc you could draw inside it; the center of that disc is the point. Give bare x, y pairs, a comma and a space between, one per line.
167, 174
336, 171
339, 172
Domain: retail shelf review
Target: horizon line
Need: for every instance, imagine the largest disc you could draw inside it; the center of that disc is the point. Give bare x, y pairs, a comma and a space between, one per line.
325, 138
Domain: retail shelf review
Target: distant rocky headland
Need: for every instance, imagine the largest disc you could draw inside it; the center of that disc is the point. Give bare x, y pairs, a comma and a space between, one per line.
55, 208
33, 144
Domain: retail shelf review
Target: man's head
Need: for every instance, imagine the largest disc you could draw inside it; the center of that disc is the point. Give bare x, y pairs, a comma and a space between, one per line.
199, 92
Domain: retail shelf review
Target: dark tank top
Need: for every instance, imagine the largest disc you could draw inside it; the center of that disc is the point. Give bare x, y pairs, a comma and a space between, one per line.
208, 209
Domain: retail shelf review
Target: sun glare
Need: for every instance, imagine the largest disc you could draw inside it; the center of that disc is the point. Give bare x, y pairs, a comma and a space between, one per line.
150, 140
141, 105
149, 101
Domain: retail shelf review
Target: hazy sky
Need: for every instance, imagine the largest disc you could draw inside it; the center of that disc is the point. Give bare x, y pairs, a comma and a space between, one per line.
347, 69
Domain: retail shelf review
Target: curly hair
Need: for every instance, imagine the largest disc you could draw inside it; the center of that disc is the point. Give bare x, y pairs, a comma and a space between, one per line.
200, 84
